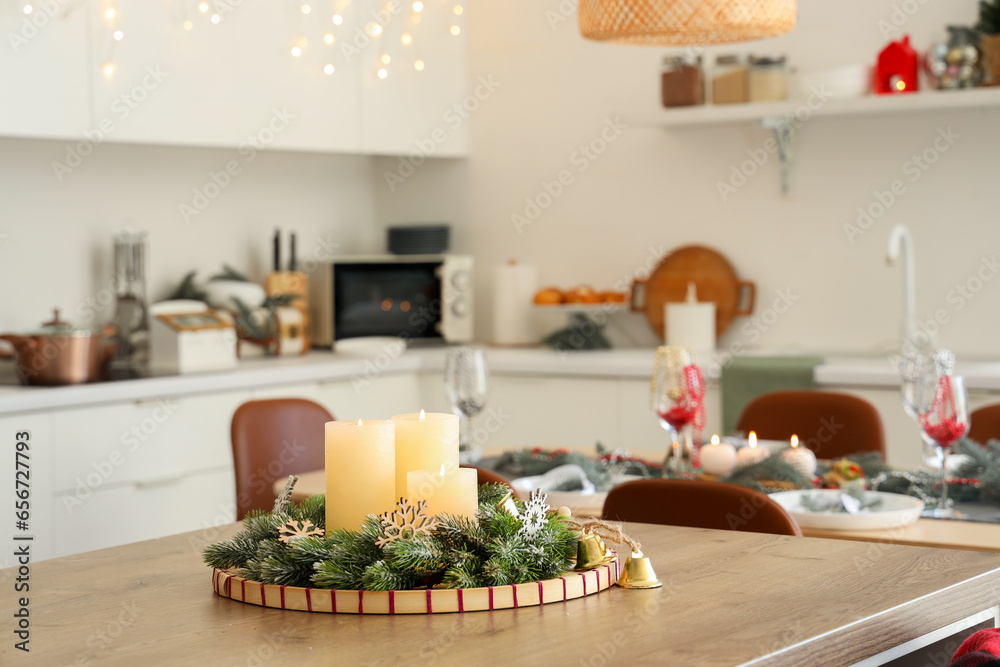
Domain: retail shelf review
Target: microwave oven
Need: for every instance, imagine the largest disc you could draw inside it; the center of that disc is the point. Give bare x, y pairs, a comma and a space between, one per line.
421, 298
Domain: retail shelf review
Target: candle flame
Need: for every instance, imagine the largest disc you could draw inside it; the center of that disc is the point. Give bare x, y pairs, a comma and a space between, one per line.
752, 438
715, 439
423, 415
359, 422
676, 444
795, 441
442, 470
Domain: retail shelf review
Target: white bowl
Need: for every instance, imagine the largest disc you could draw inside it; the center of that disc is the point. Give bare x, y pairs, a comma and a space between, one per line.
842, 83
220, 293
895, 511
371, 346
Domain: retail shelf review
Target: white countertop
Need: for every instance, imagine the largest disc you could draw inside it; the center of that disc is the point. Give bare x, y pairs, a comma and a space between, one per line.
318, 366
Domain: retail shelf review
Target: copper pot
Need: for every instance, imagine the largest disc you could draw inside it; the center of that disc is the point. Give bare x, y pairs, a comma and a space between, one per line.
59, 354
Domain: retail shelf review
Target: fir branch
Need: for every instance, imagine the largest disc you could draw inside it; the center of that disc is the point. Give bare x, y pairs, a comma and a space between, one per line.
334, 574
312, 508
464, 575
773, 468
232, 553
421, 555
380, 576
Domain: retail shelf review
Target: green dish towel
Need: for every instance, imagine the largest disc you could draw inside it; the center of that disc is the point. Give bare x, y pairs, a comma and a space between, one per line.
746, 378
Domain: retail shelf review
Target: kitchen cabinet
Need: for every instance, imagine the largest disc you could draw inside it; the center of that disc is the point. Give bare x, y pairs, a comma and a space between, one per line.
374, 397
177, 78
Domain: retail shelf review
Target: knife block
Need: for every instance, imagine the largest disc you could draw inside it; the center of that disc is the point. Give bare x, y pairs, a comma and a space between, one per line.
296, 285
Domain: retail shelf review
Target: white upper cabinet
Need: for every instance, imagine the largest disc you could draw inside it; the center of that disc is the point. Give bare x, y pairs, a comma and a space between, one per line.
287, 75
43, 70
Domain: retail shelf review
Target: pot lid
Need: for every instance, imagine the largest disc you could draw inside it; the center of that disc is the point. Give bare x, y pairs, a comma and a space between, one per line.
58, 326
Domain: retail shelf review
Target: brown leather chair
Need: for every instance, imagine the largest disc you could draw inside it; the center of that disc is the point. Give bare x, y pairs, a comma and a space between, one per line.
985, 424
832, 425
696, 504
486, 476
273, 439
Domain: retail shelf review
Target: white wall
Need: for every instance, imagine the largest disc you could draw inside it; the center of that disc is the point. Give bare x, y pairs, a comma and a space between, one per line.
655, 188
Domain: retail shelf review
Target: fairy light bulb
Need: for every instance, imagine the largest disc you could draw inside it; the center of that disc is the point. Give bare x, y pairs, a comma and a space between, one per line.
455, 30
110, 13
337, 19
383, 73
118, 35
328, 69
328, 38
306, 9
419, 65
406, 39
374, 29
386, 59
458, 10
418, 6
28, 9
188, 25
203, 7
296, 51
108, 69
216, 18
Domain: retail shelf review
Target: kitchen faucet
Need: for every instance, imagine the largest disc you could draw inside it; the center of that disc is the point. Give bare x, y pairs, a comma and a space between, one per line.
901, 242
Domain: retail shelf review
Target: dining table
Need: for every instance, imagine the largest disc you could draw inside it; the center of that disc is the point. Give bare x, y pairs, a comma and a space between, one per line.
728, 598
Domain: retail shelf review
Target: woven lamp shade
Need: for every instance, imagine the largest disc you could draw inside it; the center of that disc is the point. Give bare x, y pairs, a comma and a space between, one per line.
677, 22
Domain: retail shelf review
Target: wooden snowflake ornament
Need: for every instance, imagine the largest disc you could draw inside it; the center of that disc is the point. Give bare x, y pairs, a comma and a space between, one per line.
407, 520
535, 514
295, 529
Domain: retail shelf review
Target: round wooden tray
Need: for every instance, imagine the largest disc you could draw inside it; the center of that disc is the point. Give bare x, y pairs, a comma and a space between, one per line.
428, 601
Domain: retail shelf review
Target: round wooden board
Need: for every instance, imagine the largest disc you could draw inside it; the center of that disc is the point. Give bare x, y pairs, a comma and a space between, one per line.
428, 601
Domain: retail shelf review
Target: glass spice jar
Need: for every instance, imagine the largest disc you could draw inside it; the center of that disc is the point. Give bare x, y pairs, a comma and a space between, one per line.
682, 81
768, 79
729, 80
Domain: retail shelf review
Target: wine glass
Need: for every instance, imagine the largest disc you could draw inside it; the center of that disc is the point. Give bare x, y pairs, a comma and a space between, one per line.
943, 419
465, 384
674, 405
919, 381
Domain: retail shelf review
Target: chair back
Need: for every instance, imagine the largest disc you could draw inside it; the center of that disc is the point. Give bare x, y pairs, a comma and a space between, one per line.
985, 424
832, 425
271, 440
697, 504
486, 476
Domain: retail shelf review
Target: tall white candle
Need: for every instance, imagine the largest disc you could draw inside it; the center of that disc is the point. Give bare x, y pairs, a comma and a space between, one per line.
751, 453
424, 441
718, 458
360, 471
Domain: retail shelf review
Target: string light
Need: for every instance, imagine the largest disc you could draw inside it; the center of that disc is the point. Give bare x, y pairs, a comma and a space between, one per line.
118, 35
455, 30
188, 25
382, 73
407, 38
329, 38
306, 9
374, 29
203, 7
328, 69
386, 59
458, 10
108, 69
216, 18
418, 6
110, 13
296, 51
419, 65
28, 9
337, 19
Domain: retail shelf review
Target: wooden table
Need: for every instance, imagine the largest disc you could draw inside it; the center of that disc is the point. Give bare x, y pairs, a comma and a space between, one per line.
728, 599
945, 534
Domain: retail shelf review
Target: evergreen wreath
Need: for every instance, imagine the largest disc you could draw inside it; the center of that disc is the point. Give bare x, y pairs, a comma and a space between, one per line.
495, 550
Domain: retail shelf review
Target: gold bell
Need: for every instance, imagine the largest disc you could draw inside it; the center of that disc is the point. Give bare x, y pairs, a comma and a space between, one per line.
638, 573
591, 551
508, 505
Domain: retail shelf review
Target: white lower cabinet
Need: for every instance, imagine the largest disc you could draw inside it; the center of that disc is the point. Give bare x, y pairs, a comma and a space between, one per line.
374, 397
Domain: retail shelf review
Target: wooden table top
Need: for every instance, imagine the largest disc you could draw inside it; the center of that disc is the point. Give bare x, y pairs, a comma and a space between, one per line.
728, 599
946, 534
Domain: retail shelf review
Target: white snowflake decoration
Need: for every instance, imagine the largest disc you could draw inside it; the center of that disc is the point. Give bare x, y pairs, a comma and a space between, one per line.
534, 516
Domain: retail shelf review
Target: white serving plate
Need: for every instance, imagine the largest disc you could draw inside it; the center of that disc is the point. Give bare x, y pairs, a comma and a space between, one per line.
371, 346
577, 500
895, 511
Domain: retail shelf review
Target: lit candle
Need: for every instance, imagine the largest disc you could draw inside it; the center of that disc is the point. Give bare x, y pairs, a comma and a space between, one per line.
800, 457
454, 491
719, 458
752, 453
424, 442
360, 471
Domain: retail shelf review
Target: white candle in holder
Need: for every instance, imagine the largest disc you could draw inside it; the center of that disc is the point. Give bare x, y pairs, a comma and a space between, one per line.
751, 453
718, 458
801, 458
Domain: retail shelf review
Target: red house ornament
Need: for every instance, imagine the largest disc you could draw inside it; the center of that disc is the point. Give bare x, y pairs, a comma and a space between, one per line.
897, 69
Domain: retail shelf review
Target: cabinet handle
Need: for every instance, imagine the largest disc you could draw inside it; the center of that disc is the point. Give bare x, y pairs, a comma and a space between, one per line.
159, 480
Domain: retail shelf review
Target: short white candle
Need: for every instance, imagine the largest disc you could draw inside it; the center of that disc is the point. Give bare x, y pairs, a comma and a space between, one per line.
800, 457
752, 453
719, 458
447, 491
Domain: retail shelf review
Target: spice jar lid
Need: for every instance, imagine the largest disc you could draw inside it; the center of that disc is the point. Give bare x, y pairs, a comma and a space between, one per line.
684, 60
768, 61
729, 59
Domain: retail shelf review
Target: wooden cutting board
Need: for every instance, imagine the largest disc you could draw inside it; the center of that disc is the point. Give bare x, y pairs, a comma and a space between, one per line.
714, 277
